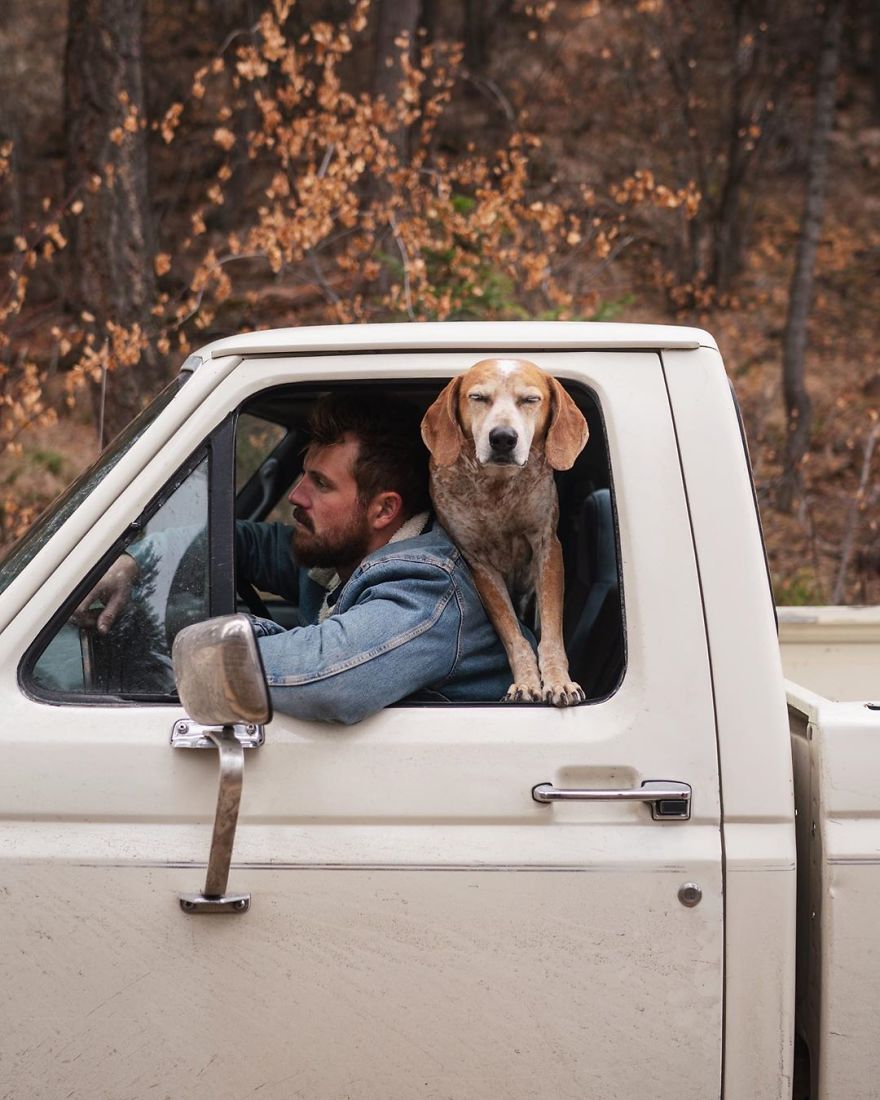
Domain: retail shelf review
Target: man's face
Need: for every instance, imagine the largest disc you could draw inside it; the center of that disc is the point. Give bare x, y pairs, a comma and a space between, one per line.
331, 527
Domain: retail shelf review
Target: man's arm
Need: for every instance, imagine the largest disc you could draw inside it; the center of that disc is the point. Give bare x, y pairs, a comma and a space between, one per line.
263, 558
400, 637
113, 590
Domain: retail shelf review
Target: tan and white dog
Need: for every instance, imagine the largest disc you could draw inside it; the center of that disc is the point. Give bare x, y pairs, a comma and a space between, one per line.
496, 433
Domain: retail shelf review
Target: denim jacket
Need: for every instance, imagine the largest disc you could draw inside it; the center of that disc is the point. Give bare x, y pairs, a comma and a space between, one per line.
408, 622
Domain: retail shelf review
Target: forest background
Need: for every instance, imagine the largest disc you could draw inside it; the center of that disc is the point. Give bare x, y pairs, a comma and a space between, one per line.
171, 172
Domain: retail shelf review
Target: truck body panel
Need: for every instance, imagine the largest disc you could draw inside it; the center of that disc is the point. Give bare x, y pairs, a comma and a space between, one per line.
756, 776
416, 915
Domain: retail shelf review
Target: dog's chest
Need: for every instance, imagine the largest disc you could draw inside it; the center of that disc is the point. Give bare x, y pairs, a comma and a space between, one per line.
499, 518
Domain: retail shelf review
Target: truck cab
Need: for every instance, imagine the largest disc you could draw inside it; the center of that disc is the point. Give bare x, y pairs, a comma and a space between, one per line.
419, 922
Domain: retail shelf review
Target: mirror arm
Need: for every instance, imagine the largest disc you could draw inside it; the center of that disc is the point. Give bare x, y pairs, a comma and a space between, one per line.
214, 898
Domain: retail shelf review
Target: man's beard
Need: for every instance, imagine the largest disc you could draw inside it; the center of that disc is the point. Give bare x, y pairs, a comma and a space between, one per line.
341, 550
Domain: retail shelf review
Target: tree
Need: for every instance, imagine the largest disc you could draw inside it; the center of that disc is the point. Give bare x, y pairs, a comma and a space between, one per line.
398, 20
480, 17
694, 95
111, 261
798, 407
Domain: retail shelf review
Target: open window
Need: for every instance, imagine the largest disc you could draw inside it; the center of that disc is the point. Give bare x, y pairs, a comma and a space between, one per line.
183, 545
593, 618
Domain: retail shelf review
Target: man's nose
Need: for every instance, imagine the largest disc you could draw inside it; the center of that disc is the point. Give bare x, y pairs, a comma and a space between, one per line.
297, 496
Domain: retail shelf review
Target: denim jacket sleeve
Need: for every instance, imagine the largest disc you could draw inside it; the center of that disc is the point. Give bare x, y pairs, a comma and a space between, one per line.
399, 632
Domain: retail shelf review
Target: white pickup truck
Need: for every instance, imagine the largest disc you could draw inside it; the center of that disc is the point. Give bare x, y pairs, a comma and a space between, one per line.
407, 916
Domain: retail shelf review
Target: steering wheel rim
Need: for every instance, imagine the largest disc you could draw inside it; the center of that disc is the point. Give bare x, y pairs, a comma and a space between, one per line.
255, 603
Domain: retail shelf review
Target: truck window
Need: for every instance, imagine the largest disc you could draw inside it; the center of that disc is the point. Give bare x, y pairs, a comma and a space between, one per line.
133, 659
255, 440
593, 618
180, 580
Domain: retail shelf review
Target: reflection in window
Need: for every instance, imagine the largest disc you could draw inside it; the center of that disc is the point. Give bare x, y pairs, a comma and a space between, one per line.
171, 591
255, 439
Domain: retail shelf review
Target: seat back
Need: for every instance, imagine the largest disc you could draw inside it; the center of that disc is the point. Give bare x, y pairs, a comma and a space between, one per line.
593, 621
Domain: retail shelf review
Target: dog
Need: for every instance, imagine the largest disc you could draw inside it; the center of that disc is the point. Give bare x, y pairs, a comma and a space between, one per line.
495, 434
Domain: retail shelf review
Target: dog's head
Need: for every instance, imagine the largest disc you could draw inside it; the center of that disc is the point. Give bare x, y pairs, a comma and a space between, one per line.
508, 407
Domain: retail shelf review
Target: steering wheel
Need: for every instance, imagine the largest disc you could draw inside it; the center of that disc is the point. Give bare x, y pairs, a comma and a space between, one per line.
255, 603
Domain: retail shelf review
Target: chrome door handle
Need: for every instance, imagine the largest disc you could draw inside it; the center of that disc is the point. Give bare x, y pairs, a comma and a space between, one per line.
669, 800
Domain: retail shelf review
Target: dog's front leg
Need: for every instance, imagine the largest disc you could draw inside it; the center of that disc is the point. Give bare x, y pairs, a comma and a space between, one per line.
493, 592
558, 688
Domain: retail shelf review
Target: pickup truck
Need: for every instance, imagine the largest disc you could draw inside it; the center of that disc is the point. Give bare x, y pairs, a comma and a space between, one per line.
663, 892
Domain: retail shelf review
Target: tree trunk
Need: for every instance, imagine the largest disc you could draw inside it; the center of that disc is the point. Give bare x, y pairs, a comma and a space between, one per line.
396, 17
727, 241
479, 19
798, 407
112, 240
875, 68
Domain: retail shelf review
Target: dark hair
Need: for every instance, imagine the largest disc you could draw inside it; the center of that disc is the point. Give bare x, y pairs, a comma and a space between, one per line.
391, 454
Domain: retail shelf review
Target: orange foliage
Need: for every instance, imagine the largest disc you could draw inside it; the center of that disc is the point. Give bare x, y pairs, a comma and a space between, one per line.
334, 204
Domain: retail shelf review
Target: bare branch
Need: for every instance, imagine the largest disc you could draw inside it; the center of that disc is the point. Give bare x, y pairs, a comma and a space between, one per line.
407, 291
854, 517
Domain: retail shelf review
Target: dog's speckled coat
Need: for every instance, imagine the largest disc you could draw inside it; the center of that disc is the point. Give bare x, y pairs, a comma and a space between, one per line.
496, 434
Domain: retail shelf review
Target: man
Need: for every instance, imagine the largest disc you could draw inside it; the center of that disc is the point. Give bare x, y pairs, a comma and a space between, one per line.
390, 608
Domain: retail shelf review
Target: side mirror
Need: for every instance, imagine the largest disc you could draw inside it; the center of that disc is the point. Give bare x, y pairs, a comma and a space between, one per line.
220, 677
221, 684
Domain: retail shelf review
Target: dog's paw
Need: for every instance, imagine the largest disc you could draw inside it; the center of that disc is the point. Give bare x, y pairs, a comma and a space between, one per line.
565, 694
523, 693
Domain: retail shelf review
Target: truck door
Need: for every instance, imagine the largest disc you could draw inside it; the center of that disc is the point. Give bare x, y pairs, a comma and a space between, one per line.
421, 924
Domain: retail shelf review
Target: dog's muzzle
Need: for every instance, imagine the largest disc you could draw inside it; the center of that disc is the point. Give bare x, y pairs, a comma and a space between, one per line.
502, 442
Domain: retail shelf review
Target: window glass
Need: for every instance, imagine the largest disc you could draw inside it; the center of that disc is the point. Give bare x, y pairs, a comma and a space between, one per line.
72, 497
167, 566
255, 440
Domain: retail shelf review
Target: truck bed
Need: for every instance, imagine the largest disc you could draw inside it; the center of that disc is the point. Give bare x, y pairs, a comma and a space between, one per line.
837, 791
834, 650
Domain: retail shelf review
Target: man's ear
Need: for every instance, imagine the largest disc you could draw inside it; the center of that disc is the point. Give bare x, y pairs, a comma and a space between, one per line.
568, 433
385, 508
441, 430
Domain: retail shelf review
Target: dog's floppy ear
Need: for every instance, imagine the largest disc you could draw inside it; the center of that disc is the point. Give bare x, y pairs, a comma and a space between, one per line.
568, 433
441, 430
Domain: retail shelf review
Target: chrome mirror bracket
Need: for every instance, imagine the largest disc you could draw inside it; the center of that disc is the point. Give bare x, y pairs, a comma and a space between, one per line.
214, 899
229, 903
186, 734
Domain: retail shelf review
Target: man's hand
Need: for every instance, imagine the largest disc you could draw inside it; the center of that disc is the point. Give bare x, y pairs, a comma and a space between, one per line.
113, 590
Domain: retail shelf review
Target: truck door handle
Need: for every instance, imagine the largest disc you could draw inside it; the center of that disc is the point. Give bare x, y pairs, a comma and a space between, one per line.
668, 799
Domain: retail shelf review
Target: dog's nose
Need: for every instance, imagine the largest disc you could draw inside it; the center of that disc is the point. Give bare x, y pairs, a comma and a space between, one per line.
502, 439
